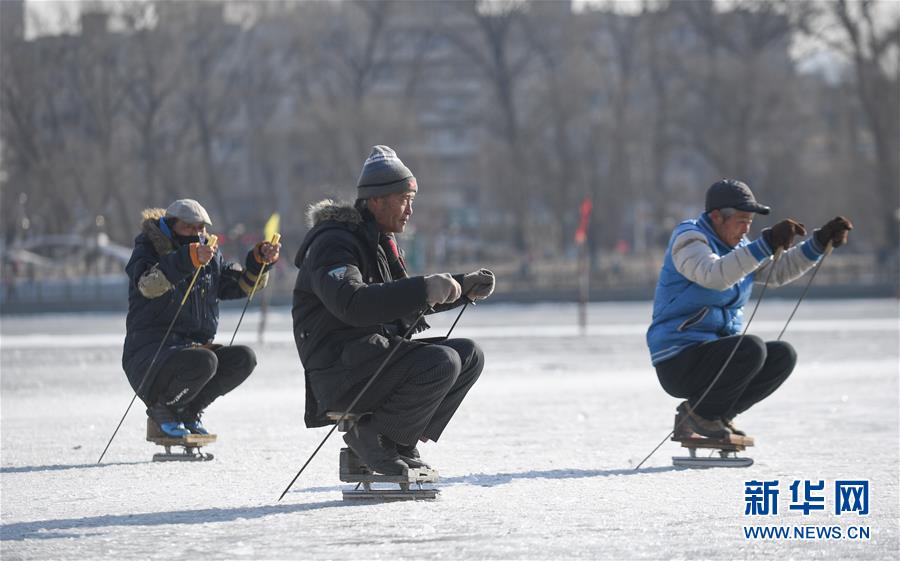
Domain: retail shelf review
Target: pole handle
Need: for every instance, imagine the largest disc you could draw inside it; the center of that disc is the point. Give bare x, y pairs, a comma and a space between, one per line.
275, 239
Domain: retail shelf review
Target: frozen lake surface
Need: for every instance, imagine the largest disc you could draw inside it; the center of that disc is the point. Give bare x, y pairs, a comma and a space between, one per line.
537, 464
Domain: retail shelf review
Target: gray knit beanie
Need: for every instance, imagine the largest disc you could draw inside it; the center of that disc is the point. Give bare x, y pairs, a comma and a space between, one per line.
382, 174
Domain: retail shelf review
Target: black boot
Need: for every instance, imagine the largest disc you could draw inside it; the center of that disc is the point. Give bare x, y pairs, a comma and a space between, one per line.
381, 457
409, 454
687, 421
729, 422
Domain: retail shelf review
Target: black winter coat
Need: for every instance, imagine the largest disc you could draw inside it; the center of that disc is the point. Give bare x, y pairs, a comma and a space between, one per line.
149, 317
348, 311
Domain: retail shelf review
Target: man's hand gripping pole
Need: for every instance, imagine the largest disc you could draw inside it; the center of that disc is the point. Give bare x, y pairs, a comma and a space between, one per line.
275, 239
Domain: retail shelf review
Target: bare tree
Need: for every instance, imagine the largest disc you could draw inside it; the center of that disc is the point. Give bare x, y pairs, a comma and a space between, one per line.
38, 128
640, 110
557, 97
100, 94
664, 87
208, 84
873, 44
349, 80
154, 64
501, 55
732, 98
615, 50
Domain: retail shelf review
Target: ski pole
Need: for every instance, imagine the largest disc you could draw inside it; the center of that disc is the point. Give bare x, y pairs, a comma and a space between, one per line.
158, 349
459, 315
828, 248
348, 409
262, 270
727, 360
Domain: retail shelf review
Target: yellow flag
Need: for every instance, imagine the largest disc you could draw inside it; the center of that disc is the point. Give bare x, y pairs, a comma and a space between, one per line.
271, 227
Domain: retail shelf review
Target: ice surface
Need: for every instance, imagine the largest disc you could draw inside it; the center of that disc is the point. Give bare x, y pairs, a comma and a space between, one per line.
537, 464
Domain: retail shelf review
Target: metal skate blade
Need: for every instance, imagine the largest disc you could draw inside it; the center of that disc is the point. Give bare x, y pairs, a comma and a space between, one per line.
688, 462
183, 457
390, 494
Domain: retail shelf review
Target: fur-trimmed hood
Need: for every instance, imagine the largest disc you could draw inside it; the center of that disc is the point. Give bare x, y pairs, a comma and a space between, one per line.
329, 209
150, 227
328, 214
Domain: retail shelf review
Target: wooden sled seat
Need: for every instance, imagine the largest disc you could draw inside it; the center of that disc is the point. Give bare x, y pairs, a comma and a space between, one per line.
733, 441
349, 419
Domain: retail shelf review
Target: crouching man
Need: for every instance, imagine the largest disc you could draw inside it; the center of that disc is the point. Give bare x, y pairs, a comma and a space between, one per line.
189, 371
354, 301
707, 275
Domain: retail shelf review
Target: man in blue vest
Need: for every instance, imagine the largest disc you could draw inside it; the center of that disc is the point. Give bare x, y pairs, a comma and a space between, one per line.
706, 279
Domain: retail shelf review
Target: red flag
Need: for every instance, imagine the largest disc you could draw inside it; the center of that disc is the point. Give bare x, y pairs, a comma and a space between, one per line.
585, 211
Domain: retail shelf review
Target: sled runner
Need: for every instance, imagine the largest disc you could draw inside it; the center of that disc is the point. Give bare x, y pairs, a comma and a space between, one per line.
190, 445
727, 449
407, 486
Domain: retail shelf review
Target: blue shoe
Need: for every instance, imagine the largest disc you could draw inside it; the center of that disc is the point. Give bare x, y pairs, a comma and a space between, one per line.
192, 421
195, 427
163, 418
175, 430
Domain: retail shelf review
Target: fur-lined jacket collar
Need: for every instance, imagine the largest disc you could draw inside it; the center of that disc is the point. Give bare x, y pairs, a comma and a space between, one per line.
328, 214
328, 209
150, 227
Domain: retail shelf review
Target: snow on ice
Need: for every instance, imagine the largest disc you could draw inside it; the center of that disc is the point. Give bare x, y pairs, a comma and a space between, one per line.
537, 464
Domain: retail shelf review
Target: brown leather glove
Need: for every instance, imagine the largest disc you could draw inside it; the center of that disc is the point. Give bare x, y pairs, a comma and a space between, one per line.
266, 253
782, 234
834, 231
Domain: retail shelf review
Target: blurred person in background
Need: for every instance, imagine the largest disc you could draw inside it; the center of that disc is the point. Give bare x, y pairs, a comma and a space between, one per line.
354, 301
190, 371
706, 279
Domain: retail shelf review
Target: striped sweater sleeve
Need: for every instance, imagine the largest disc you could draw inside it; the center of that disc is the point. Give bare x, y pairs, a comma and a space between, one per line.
792, 264
695, 259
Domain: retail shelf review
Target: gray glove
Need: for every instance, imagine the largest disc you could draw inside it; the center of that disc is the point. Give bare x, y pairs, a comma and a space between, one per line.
441, 289
478, 285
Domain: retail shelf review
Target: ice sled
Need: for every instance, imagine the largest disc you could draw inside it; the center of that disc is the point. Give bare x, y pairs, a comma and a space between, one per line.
725, 450
405, 487
189, 445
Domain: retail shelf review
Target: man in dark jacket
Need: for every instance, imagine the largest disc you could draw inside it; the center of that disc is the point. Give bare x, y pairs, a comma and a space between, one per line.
353, 302
190, 371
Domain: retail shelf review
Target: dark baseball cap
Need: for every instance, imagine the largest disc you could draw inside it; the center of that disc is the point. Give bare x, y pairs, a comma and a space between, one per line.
731, 193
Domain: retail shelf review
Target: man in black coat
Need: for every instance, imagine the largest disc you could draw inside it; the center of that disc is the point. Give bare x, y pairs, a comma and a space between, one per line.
353, 302
190, 371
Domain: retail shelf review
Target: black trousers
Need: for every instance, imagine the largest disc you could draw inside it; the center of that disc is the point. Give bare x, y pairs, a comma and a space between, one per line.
417, 394
193, 377
757, 369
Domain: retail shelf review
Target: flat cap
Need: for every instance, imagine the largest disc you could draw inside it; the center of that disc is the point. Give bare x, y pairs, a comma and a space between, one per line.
188, 210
